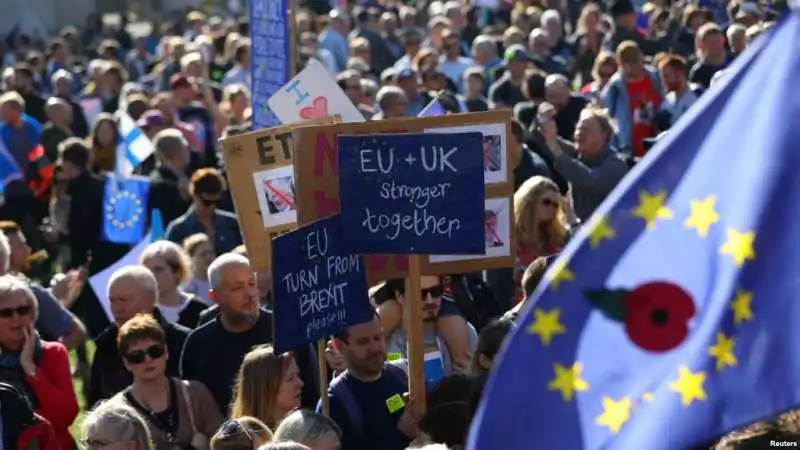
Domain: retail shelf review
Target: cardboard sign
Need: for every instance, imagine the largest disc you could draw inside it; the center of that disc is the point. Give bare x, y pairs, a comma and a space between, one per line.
271, 43
317, 176
312, 94
319, 288
261, 179
412, 193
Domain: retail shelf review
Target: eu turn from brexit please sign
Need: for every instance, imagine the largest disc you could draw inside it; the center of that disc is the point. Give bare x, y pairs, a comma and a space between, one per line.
412, 193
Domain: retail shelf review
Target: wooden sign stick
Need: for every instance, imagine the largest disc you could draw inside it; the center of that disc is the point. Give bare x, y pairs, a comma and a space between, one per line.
322, 364
416, 355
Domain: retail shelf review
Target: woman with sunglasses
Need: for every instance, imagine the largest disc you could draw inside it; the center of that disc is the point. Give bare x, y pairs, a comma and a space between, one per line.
540, 221
244, 433
207, 187
179, 414
170, 266
38, 369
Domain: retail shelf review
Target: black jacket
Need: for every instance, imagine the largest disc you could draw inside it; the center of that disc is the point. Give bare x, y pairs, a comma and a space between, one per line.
166, 196
109, 375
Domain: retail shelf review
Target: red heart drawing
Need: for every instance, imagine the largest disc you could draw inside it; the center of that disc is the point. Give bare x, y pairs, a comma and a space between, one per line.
318, 108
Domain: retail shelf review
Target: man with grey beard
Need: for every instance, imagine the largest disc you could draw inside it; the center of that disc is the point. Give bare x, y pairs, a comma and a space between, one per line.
214, 351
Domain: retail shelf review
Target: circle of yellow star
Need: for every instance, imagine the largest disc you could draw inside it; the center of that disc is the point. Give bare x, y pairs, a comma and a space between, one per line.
602, 230
546, 324
689, 385
739, 245
741, 306
723, 351
561, 273
703, 215
568, 380
651, 208
615, 413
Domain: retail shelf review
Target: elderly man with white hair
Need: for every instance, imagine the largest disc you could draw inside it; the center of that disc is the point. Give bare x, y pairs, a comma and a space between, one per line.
568, 105
132, 290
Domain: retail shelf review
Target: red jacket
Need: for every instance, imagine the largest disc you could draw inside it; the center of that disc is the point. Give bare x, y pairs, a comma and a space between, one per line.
41, 433
52, 385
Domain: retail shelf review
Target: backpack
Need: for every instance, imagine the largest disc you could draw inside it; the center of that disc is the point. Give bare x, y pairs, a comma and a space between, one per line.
343, 394
474, 299
22, 428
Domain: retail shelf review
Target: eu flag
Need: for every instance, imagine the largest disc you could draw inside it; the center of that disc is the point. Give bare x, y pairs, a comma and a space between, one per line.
671, 319
125, 209
433, 109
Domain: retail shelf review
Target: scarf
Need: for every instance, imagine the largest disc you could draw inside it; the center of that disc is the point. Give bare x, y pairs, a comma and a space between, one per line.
11, 370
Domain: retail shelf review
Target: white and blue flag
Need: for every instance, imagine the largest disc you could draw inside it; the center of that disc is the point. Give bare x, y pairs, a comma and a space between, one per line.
133, 147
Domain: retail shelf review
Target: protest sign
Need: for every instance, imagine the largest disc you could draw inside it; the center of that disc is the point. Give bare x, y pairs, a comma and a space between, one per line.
312, 94
412, 193
317, 176
319, 288
270, 32
261, 179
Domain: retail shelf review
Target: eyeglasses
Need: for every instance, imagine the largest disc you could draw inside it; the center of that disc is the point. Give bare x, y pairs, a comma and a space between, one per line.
93, 443
22, 311
155, 351
549, 202
434, 292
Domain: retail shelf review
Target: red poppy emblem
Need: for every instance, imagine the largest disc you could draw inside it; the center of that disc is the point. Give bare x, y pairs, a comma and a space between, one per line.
656, 315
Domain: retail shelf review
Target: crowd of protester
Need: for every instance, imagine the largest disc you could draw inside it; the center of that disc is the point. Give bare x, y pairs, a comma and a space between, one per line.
187, 360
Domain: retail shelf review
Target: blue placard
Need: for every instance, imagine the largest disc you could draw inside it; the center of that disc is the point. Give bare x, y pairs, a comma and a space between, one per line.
319, 289
270, 56
412, 193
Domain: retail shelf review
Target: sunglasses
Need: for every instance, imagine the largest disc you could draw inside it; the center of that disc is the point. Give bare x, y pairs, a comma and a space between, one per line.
22, 311
434, 292
209, 201
155, 351
549, 202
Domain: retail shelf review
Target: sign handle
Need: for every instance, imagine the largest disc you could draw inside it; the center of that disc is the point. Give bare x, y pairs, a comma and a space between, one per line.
323, 377
416, 355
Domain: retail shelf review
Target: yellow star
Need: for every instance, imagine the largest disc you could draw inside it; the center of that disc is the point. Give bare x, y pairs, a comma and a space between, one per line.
723, 351
647, 397
703, 215
651, 208
546, 324
602, 230
689, 385
741, 306
568, 380
615, 414
739, 245
561, 273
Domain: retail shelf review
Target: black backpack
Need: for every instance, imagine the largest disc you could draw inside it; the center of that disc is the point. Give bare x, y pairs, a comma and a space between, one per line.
474, 299
17, 414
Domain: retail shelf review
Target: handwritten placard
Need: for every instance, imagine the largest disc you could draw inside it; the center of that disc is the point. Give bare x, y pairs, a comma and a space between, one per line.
313, 94
271, 56
317, 177
319, 289
261, 180
412, 193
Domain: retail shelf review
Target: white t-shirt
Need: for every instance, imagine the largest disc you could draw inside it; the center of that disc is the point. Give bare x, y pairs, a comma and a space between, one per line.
678, 106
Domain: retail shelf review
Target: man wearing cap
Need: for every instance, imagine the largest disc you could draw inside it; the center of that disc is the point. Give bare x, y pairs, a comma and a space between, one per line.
408, 81
507, 91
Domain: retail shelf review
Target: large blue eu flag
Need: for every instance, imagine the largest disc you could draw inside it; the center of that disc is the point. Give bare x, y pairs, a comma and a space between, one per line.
671, 319
125, 209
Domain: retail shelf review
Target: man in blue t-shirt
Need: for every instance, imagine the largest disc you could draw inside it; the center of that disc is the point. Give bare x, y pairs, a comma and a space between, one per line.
368, 401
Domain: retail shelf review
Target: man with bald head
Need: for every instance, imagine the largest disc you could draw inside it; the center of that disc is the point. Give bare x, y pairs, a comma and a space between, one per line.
57, 129
568, 105
131, 290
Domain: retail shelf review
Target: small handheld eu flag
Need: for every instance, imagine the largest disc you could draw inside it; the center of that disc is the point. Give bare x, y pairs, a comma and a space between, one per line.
670, 319
125, 209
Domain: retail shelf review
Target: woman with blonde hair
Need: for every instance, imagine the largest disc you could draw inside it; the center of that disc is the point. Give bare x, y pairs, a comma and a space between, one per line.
309, 428
540, 223
113, 427
268, 386
170, 265
244, 433
201, 252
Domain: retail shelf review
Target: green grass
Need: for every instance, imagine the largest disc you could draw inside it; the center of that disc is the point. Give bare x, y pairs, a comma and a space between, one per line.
78, 385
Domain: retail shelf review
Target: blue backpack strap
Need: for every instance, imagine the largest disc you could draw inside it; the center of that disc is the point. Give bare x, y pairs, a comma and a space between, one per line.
341, 391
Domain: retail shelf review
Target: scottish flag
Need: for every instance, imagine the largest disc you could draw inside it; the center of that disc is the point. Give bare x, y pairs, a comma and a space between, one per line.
9, 170
670, 320
99, 281
133, 147
125, 209
433, 109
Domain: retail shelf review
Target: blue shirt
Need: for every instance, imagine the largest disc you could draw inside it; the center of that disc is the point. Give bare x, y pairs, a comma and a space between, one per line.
226, 230
335, 43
